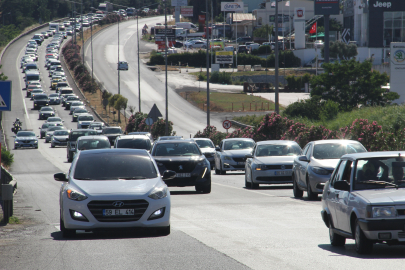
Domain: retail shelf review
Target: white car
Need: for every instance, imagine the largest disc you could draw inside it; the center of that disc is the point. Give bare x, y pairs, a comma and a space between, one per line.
231, 154
84, 120
195, 44
271, 162
114, 189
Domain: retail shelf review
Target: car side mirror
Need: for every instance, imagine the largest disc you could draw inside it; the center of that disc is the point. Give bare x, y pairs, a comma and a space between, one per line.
60, 177
249, 156
168, 175
217, 148
303, 158
342, 185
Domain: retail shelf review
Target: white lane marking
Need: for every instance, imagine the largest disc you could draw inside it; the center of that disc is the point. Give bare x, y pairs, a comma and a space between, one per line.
19, 82
261, 193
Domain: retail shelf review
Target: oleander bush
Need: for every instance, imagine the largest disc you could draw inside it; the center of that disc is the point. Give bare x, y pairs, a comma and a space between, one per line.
6, 157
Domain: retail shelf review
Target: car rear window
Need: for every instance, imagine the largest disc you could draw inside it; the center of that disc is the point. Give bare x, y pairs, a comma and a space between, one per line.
76, 134
176, 149
134, 144
336, 150
114, 166
93, 144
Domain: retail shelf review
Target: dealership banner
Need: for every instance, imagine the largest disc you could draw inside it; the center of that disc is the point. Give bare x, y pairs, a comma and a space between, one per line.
326, 7
224, 57
186, 11
232, 6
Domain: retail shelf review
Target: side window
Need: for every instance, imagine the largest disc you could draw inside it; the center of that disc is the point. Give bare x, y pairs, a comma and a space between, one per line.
220, 145
347, 171
309, 152
254, 150
304, 151
337, 173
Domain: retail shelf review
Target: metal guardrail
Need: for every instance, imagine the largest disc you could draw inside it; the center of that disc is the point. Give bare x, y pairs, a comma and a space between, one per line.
239, 124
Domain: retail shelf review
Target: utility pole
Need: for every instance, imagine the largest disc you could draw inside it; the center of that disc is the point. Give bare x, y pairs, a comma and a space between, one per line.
81, 29
139, 66
119, 83
167, 94
208, 65
276, 108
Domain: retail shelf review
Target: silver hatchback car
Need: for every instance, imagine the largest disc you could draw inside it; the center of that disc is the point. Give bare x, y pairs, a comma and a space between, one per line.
316, 163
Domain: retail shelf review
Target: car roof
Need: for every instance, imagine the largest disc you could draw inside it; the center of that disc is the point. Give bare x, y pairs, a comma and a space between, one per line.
374, 154
109, 151
133, 137
281, 142
238, 139
175, 141
335, 141
93, 137
115, 127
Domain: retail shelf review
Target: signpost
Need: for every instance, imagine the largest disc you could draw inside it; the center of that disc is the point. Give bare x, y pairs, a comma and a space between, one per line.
224, 57
227, 124
154, 113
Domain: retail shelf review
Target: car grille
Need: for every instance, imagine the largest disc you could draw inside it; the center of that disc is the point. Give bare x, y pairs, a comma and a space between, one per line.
26, 141
96, 208
274, 178
238, 166
240, 159
401, 212
278, 167
187, 166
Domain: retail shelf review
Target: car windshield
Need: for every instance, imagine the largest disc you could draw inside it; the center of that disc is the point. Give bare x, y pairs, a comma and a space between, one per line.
336, 150
76, 134
112, 131
86, 118
114, 166
40, 97
93, 144
25, 134
176, 149
238, 145
134, 144
265, 150
61, 133
80, 111
379, 173
204, 143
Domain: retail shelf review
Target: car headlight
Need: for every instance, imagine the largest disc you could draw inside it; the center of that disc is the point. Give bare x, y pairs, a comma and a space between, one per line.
201, 163
319, 170
260, 167
159, 192
227, 158
383, 211
75, 195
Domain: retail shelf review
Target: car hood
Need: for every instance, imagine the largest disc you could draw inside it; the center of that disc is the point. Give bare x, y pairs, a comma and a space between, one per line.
165, 159
383, 196
283, 160
237, 153
113, 187
324, 163
26, 138
207, 150
61, 137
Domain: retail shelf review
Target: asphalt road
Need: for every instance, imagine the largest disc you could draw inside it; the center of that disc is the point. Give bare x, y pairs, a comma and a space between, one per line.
230, 228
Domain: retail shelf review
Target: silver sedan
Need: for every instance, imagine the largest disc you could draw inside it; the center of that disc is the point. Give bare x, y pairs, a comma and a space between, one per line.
271, 162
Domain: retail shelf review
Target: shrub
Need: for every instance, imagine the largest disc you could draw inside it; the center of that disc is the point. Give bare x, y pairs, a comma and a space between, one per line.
134, 121
158, 128
211, 132
6, 157
156, 60
221, 77
309, 108
265, 49
329, 110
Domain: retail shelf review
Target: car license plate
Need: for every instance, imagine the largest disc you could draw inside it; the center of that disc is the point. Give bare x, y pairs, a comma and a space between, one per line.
182, 175
25, 145
241, 163
118, 212
282, 173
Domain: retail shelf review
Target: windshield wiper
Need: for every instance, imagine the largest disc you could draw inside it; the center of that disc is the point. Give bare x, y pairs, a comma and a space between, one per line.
83, 178
379, 182
131, 178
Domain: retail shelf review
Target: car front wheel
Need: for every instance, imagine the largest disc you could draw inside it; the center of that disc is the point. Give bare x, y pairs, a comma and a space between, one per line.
220, 169
67, 233
247, 184
298, 193
311, 195
362, 244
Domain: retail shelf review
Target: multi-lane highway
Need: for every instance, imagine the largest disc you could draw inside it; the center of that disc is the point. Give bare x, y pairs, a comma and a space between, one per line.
230, 228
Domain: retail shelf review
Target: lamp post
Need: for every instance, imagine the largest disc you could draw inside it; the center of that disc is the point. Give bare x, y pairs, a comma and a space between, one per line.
276, 108
208, 65
119, 81
167, 95
139, 66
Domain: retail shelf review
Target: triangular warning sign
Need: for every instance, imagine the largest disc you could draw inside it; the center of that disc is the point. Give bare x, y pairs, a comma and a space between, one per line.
154, 113
2, 103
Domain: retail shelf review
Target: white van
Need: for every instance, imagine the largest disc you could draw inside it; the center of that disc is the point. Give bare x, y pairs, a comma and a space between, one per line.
186, 25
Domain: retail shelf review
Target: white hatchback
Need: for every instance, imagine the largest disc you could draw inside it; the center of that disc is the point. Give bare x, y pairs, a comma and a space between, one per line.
114, 189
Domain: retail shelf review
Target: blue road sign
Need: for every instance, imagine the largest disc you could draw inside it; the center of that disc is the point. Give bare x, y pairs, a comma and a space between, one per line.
5, 95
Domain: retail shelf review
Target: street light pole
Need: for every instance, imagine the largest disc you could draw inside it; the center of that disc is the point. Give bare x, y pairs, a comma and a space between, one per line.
81, 29
119, 84
208, 65
139, 66
167, 95
276, 64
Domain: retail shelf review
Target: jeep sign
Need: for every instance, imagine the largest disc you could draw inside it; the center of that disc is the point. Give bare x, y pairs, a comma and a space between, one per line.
383, 4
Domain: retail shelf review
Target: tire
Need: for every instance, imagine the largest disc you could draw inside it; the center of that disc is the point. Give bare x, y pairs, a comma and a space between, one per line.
311, 195
247, 184
223, 172
164, 231
336, 240
362, 244
67, 233
253, 185
69, 159
217, 171
207, 189
52, 146
298, 193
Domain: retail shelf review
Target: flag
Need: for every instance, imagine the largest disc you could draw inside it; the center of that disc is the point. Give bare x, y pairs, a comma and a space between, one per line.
287, 4
313, 29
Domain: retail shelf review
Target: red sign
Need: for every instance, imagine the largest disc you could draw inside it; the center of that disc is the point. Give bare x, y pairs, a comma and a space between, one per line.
227, 124
186, 11
300, 13
161, 44
201, 19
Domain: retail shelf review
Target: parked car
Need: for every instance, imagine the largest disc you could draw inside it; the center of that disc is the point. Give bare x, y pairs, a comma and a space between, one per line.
270, 162
207, 147
114, 189
242, 49
25, 139
231, 154
316, 163
364, 200
185, 158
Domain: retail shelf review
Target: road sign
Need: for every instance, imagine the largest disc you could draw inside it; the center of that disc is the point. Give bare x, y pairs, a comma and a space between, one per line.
5, 95
224, 57
154, 113
149, 121
346, 35
179, 3
227, 124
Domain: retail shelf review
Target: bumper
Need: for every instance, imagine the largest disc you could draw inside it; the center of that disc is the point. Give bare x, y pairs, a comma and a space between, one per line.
93, 223
26, 145
317, 182
392, 228
230, 165
272, 176
58, 143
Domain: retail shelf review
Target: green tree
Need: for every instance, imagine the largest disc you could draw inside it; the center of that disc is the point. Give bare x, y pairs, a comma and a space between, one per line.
263, 32
341, 50
2, 76
120, 104
351, 83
